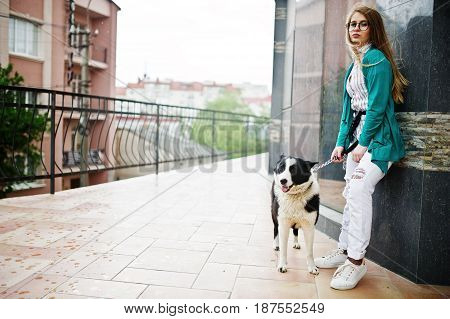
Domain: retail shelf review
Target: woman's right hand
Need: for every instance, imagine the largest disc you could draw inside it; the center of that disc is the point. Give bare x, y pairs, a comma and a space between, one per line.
336, 156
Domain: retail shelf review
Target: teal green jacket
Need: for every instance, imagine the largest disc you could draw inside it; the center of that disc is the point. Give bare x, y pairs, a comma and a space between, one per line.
380, 132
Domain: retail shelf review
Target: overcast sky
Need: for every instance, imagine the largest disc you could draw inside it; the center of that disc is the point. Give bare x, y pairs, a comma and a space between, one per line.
196, 40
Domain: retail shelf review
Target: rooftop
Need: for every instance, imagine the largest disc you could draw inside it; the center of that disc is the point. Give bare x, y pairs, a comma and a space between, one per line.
195, 233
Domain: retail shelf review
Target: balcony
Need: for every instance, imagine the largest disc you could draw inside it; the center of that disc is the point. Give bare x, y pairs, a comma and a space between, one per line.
98, 57
203, 232
100, 54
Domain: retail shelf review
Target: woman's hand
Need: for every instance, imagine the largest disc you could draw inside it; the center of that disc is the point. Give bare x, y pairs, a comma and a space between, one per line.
358, 153
336, 156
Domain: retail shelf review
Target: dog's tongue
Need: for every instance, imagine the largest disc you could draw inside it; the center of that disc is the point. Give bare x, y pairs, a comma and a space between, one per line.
284, 189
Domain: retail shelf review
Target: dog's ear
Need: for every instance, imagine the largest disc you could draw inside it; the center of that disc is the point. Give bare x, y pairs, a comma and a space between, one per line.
282, 156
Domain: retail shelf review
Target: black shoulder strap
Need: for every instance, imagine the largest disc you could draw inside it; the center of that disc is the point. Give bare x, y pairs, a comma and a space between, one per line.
353, 127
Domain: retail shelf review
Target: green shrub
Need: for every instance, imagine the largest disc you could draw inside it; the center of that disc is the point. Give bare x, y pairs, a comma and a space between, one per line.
20, 128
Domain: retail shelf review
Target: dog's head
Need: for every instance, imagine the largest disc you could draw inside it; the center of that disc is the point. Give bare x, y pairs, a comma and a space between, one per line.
291, 171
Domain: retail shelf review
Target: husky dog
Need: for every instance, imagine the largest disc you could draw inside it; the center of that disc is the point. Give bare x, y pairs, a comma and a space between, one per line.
295, 204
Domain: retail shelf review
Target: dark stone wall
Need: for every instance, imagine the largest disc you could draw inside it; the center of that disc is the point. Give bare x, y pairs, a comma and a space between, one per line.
394, 242
440, 53
434, 247
411, 204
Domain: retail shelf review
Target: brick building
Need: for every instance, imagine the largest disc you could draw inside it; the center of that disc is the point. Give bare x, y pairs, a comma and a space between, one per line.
34, 39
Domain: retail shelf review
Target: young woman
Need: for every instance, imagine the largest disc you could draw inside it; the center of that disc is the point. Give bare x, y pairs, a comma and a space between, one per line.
373, 84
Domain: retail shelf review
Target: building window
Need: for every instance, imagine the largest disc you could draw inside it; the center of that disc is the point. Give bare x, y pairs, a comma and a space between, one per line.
76, 83
23, 36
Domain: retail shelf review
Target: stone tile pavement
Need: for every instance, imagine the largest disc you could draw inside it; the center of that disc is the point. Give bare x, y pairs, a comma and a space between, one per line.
194, 233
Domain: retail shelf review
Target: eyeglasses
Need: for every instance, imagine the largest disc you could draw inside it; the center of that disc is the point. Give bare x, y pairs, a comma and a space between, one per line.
363, 25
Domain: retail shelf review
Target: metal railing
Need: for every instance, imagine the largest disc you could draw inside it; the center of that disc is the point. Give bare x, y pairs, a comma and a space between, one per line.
46, 134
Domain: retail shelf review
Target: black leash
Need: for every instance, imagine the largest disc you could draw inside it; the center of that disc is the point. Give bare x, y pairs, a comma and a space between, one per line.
355, 123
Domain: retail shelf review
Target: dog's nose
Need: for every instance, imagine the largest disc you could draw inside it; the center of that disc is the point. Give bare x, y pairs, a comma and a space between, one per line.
283, 181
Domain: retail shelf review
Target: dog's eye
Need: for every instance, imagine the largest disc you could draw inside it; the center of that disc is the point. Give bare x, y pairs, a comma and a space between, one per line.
292, 169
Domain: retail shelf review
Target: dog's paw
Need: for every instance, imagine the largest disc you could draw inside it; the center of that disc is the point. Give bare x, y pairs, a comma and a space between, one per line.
313, 270
296, 246
282, 268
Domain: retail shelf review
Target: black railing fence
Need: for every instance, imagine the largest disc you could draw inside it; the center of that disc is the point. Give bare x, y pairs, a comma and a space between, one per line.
45, 134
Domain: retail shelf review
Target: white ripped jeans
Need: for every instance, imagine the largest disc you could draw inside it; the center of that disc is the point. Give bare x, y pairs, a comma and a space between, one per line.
360, 179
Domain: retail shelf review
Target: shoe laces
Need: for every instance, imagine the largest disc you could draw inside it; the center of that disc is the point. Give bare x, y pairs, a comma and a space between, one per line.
334, 253
345, 270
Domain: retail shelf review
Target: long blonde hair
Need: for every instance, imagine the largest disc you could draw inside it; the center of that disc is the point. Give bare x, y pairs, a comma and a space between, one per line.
379, 39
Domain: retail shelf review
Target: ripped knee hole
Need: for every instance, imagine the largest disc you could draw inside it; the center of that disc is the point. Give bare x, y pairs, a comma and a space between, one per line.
359, 173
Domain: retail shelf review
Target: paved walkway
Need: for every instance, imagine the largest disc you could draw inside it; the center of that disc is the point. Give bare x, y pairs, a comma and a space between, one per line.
191, 234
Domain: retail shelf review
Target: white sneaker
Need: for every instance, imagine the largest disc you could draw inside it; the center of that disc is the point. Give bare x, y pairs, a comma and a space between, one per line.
348, 275
334, 259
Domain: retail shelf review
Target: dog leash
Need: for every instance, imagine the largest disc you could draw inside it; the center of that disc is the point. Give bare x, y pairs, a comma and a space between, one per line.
353, 127
317, 166
345, 153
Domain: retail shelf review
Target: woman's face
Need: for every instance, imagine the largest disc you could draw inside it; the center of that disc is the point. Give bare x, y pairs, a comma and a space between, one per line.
358, 29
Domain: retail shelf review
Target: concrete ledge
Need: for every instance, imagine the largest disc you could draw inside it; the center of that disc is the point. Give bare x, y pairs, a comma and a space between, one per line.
329, 222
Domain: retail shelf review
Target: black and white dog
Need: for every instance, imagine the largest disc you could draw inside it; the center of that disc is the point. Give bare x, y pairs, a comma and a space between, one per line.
295, 204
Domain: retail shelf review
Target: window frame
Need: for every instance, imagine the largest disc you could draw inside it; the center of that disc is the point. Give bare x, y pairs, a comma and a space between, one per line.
32, 47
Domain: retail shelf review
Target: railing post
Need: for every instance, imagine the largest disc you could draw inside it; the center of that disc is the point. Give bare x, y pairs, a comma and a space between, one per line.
246, 136
213, 133
157, 139
52, 143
